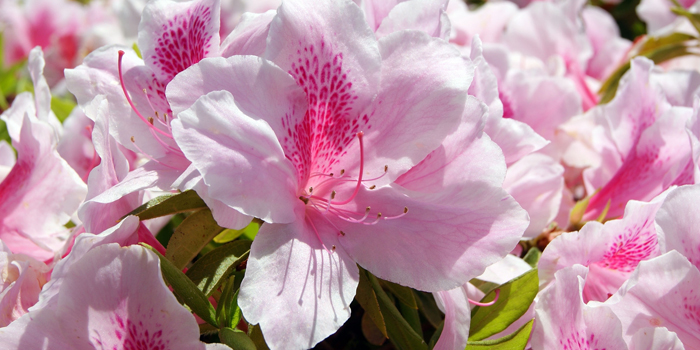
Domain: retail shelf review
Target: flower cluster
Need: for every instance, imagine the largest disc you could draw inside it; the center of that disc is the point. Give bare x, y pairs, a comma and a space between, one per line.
249, 174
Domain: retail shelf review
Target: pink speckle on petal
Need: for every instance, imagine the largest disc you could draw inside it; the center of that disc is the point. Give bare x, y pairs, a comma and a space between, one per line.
322, 138
635, 244
575, 340
183, 42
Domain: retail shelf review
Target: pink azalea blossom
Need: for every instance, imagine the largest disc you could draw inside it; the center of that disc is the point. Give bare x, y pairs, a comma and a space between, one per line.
643, 142
139, 114
22, 279
662, 292
265, 146
611, 251
678, 219
488, 21
128, 305
564, 321
42, 191
609, 49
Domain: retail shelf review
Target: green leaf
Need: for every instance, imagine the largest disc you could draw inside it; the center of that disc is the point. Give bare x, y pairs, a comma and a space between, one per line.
370, 331
257, 337
236, 339
411, 316
191, 236
693, 18
516, 341
228, 313
209, 270
4, 134
429, 309
656, 42
169, 204
404, 294
400, 331
532, 257
514, 300
137, 50
229, 235
62, 107
186, 290
483, 286
436, 336
367, 298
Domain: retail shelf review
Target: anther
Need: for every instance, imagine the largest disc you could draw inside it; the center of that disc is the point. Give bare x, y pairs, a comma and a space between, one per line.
331, 174
303, 199
150, 120
342, 233
132, 139
311, 189
386, 168
379, 215
405, 210
333, 194
333, 247
342, 171
372, 187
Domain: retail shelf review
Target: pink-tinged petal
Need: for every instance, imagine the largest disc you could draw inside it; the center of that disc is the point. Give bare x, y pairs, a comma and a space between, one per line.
543, 30
42, 94
679, 86
98, 75
636, 106
39, 194
420, 102
112, 168
224, 215
175, 35
488, 21
22, 105
611, 251
679, 221
660, 157
656, 14
536, 182
444, 239
260, 88
75, 146
129, 305
298, 291
240, 158
655, 338
425, 15
563, 321
376, 10
662, 292
505, 270
515, 138
609, 49
7, 159
22, 279
542, 102
122, 233
455, 331
250, 35
460, 158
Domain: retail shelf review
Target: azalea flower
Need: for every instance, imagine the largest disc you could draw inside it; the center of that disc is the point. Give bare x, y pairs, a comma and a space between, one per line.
128, 305
41, 192
22, 279
611, 251
677, 219
340, 160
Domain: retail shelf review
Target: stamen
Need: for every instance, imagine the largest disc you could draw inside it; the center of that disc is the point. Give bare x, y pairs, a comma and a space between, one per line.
128, 99
148, 156
372, 187
304, 199
497, 291
342, 233
379, 217
333, 194
386, 168
362, 166
342, 171
311, 190
405, 210
317, 235
333, 247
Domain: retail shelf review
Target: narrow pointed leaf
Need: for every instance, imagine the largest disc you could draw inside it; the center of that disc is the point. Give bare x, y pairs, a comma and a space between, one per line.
368, 300
209, 270
400, 331
186, 290
191, 236
169, 204
514, 300
532, 257
429, 309
516, 341
236, 339
229, 235
404, 294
